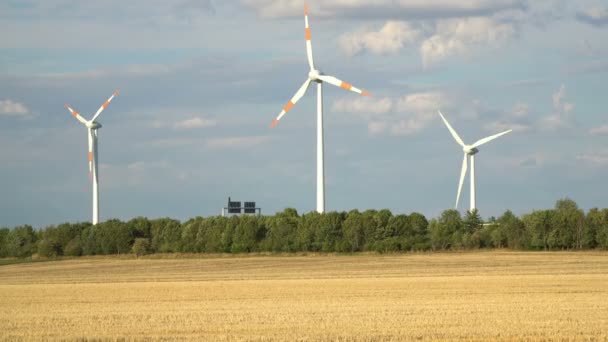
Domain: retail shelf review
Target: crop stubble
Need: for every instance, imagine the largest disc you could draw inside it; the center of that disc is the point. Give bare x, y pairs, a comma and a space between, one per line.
449, 296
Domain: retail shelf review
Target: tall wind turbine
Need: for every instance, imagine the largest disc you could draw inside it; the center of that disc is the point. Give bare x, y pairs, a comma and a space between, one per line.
314, 75
92, 127
469, 151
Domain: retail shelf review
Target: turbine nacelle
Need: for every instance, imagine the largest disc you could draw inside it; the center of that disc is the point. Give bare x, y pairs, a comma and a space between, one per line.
470, 150
93, 125
315, 76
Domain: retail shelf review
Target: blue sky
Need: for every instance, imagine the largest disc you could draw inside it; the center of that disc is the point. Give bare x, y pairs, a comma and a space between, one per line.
201, 81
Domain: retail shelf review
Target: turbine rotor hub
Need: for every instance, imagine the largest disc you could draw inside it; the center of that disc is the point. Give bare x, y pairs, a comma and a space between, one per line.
313, 75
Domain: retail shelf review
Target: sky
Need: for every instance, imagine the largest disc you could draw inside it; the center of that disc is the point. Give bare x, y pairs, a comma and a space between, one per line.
201, 80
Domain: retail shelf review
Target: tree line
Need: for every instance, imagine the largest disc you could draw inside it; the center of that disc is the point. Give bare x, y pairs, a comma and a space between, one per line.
565, 227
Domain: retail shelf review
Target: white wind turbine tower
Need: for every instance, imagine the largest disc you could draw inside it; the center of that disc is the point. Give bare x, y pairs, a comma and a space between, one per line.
92, 127
318, 77
469, 151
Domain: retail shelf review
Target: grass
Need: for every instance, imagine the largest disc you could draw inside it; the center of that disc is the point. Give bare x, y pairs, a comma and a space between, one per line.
505, 296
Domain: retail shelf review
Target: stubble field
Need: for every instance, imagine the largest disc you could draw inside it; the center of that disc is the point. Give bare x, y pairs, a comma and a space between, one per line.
504, 296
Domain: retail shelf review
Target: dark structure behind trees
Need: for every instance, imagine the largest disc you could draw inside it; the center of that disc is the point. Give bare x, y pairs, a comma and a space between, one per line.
566, 227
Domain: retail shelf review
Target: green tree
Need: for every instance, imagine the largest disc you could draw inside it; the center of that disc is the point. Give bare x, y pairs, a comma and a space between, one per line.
212, 233
21, 242
90, 242
472, 221
568, 226
141, 246
114, 237
165, 235
538, 226
512, 232
73, 247
353, 230
4, 233
190, 233
141, 227
473, 236
305, 236
282, 228
245, 238
47, 248
447, 229
599, 220
54, 240
382, 229
328, 235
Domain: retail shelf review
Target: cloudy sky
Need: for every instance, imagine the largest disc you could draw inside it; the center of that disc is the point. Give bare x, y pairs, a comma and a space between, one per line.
201, 80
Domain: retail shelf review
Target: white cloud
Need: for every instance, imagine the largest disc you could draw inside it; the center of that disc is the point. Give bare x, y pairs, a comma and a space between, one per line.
560, 117
420, 102
599, 158
383, 8
520, 110
158, 118
601, 130
443, 39
410, 114
193, 123
392, 37
457, 36
596, 16
363, 105
16, 109
406, 115
513, 119
500, 126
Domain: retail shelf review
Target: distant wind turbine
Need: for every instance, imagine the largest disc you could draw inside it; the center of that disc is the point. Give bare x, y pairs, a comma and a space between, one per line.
318, 77
469, 151
92, 127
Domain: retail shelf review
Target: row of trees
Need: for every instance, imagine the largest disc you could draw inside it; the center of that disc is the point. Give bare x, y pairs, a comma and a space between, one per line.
564, 227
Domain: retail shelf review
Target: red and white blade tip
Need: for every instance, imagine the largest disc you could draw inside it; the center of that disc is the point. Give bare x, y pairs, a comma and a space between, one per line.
274, 123
115, 92
305, 8
364, 93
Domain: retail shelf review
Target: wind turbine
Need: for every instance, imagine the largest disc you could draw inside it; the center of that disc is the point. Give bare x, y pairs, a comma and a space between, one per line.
469, 151
314, 75
92, 127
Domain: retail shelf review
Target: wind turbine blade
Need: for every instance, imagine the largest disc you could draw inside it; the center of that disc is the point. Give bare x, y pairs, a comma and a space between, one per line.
292, 102
311, 62
454, 134
76, 115
90, 133
338, 83
463, 173
104, 105
490, 138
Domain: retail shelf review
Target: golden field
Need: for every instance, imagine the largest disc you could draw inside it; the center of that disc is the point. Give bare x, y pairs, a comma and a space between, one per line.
502, 296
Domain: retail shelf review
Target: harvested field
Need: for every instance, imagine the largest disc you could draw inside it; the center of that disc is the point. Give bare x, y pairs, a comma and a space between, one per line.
504, 296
